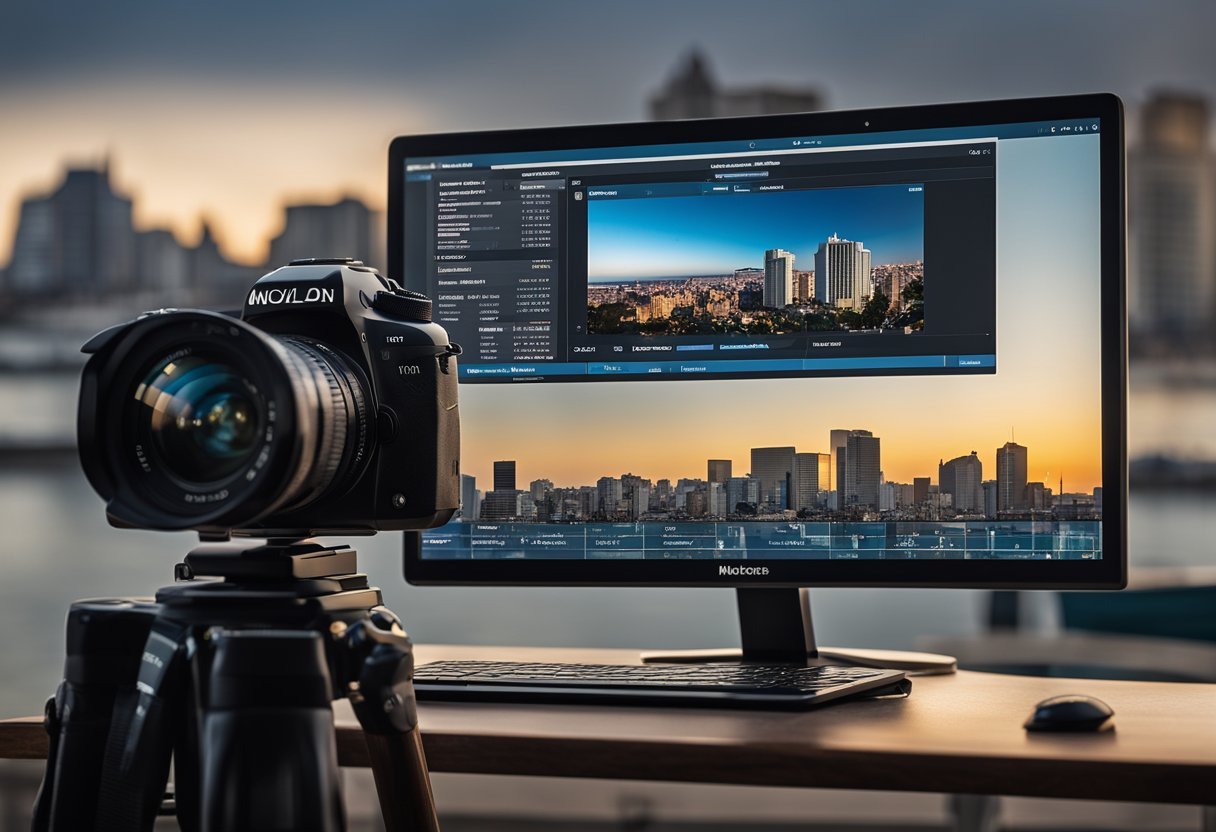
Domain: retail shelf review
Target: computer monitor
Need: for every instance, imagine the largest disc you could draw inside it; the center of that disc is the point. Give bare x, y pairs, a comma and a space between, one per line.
871, 348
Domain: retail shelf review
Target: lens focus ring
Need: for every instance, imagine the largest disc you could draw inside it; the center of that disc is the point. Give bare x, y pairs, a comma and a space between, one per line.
339, 430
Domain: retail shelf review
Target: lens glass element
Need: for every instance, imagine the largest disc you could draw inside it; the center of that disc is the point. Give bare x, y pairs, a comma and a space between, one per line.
204, 417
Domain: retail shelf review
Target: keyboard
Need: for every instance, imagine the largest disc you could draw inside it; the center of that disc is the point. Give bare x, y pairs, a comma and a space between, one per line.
712, 685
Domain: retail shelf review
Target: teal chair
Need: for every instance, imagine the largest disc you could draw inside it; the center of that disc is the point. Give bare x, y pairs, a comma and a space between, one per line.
1187, 612
1160, 633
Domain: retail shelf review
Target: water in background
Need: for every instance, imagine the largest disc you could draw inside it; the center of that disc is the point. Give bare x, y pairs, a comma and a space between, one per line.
58, 547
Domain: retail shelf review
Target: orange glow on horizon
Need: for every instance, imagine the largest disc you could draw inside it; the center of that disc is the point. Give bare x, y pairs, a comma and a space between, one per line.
601, 431
232, 157
1047, 462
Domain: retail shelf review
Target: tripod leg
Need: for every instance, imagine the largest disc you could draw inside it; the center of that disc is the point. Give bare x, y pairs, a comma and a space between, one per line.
403, 782
105, 639
384, 703
269, 757
140, 743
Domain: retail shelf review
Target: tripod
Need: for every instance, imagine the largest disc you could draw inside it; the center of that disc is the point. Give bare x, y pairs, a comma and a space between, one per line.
232, 680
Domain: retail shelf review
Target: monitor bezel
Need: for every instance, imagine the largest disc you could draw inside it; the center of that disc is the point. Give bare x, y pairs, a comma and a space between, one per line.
1109, 572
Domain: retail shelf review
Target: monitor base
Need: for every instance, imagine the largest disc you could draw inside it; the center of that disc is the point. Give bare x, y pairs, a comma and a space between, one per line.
921, 664
776, 628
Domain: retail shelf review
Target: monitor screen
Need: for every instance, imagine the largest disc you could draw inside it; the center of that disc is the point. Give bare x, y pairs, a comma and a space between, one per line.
802, 349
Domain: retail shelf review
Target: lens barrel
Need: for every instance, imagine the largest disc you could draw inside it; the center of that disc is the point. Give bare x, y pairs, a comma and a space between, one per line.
191, 419
343, 419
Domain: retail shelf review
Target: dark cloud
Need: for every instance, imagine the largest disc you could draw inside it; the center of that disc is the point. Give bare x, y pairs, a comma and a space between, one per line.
524, 62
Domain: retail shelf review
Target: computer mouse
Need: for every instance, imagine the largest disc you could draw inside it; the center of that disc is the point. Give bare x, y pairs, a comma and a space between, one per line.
1071, 712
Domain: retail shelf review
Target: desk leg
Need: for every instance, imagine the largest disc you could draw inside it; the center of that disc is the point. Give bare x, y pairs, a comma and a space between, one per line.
1209, 818
975, 813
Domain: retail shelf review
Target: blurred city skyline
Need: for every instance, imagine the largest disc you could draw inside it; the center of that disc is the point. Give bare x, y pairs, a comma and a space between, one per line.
1171, 186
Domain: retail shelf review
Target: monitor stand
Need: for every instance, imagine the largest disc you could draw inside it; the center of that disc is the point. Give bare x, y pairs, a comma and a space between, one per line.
775, 624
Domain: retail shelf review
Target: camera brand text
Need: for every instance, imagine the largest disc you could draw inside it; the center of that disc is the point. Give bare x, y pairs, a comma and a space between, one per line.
279, 297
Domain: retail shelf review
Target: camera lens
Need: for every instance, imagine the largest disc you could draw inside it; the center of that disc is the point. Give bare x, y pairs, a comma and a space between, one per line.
196, 420
203, 416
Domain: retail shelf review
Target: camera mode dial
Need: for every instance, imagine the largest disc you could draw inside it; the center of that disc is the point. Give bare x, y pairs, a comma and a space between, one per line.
401, 303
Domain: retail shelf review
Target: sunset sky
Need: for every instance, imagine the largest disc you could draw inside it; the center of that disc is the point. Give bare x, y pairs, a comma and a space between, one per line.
230, 108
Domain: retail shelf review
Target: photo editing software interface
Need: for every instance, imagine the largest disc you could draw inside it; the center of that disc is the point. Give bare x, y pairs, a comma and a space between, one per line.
873, 346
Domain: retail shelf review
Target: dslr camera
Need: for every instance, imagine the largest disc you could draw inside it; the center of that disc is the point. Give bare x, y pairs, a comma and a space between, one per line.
328, 407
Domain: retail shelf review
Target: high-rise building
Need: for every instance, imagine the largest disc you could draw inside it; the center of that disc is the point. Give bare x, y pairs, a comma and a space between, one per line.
742, 490
778, 278
804, 286
1172, 219
716, 499
719, 470
588, 501
842, 273
162, 264
469, 498
836, 441
504, 475
505, 501
77, 240
693, 92
609, 495
962, 478
773, 467
1038, 496
862, 469
888, 496
661, 496
811, 480
635, 495
32, 268
346, 228
542, 496
1011, 465
507, 505
920, 490
990, 497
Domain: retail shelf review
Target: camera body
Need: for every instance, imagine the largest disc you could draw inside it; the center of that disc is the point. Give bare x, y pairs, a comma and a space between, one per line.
329, 407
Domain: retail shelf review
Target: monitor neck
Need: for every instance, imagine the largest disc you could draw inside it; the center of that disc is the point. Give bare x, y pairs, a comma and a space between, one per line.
775, 624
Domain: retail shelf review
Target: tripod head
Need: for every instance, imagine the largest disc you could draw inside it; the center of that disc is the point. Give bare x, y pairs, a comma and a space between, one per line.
271, 581
276, 559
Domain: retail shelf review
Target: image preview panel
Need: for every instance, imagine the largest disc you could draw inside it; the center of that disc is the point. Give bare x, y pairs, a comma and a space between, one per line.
750, 261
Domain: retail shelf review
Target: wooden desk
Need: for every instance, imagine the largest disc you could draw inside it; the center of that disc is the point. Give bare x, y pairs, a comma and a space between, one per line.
955, 734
